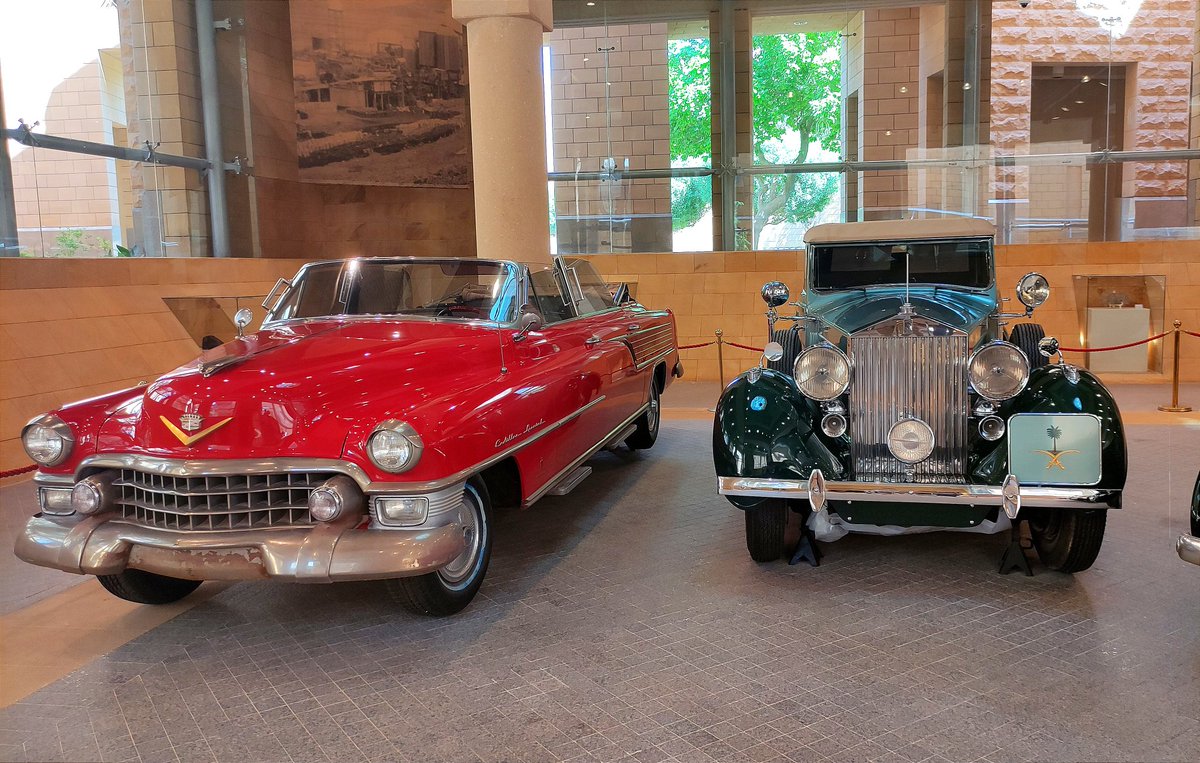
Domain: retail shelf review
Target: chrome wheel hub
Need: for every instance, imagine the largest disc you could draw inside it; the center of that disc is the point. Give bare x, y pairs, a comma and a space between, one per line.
463, 566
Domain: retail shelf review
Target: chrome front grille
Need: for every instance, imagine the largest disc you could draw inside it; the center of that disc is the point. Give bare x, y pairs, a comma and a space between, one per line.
225, 502
899, 375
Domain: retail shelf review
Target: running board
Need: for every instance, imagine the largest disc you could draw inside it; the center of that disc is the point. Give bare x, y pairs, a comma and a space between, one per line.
571, 481
617, 441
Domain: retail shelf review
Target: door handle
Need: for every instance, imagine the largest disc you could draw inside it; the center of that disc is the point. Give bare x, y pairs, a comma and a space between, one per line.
634, 326
592, 340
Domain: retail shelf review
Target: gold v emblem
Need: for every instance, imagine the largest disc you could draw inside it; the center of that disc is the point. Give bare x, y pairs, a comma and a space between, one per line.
1053, 455
187, 439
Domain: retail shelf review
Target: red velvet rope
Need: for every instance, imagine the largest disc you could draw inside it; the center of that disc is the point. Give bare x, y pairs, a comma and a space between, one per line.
1190, 333
694, 346
1114, 347
745, 347
15, 472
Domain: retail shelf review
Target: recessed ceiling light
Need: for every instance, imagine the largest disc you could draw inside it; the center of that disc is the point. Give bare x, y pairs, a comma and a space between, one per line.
1078, 101
887, 132
800, 23
966, 86
1054, 118
590, 3
1086, 78
904, 88
1065, 108
586, 59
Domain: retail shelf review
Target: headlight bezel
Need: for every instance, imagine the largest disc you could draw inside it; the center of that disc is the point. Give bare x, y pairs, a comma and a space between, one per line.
837, 354
998, 344
56, 426
402, 429
1033, 290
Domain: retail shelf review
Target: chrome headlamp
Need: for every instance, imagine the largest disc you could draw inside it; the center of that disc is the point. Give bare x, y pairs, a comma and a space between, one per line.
998, 371
394, 446
47, 440
822, 372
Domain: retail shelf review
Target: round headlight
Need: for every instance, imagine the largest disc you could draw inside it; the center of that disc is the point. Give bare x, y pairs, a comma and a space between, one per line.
47, 440
394, 446
822, 372
999, 371
1033, 290
910, 440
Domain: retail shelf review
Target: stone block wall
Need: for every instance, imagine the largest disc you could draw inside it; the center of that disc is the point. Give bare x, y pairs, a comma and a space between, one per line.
608, 97
889, 103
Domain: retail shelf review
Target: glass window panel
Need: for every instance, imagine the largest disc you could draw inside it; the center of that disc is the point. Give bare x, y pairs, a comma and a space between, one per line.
632, 215
775, 210
74, 205
798, 63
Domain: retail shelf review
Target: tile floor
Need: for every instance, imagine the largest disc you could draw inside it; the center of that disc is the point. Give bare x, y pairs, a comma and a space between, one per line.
626, 622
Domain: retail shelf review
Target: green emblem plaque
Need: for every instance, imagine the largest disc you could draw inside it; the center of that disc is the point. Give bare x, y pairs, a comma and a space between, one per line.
1054, 449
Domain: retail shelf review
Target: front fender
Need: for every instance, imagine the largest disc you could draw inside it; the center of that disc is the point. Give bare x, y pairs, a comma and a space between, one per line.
767, 429
1055, 389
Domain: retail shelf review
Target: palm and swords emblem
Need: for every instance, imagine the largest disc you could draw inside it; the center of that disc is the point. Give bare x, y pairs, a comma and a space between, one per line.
1054, 454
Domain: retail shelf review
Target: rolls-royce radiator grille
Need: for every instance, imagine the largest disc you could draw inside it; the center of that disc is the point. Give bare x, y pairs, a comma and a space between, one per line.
227, 502
898, 376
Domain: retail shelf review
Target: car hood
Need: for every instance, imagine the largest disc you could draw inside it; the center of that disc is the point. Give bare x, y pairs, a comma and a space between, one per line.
853, 311
298, 390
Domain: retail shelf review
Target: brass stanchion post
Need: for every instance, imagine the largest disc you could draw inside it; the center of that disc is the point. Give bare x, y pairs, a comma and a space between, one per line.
721, 356
1175, 407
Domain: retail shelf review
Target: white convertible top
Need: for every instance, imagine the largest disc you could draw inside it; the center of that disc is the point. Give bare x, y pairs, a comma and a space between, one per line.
898, 230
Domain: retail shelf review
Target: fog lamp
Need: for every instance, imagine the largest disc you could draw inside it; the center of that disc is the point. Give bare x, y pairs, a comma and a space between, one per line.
55, 500
92, 495
335, 498
991, 428
910, 440
403, 511
833, 425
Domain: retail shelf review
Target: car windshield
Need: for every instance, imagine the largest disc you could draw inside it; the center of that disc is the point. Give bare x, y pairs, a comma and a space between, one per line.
943, 263
464, 289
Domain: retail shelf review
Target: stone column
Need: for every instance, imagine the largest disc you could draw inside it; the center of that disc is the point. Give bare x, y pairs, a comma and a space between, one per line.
508, 125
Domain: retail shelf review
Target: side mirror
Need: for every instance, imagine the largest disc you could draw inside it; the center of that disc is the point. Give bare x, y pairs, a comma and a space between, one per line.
773, 352
775, 293
1048, 347
242, 319
530, 321
1033, 290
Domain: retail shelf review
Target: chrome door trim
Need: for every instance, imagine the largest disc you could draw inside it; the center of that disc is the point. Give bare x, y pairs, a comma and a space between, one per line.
540, 492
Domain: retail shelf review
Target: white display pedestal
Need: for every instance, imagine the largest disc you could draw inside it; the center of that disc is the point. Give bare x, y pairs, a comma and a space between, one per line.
1108, 326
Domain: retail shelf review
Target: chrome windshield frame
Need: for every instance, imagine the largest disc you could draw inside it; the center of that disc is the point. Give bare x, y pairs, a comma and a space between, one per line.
517, 271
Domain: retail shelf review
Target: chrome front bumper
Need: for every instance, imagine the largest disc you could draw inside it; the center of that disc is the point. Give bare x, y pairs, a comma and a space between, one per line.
1188, 547
1011, 496
323, 553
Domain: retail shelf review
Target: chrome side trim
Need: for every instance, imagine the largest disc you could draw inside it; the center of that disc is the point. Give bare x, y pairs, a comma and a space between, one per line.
910, 492
655, 359
1189, 548
604, 442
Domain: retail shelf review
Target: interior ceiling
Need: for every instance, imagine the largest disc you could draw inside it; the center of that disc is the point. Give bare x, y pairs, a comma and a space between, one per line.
570, 13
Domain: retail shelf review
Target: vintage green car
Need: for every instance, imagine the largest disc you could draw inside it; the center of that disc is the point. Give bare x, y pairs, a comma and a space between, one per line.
901, 399
1188, 546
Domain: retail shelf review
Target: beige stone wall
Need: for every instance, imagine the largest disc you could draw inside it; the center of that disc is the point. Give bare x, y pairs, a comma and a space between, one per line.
889, 106
71, 329
162, 97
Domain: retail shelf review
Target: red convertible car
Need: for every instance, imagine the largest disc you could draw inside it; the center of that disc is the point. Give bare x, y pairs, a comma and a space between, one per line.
366, 432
